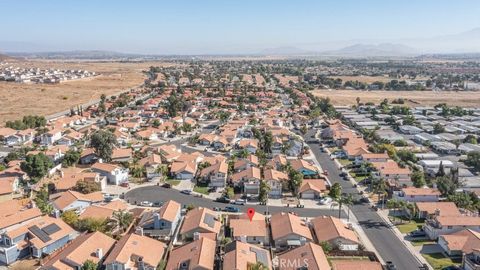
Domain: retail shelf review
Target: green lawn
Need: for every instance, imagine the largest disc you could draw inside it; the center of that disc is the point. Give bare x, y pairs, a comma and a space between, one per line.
173, 182
344, 162
202, 190
409, 226
438, 261
422, 242
358, 178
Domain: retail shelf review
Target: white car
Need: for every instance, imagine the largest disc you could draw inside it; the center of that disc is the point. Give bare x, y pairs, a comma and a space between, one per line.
146, 203
325, 200
239, 202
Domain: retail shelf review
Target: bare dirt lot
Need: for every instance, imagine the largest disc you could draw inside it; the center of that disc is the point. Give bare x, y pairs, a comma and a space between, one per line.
17, 99
412, 98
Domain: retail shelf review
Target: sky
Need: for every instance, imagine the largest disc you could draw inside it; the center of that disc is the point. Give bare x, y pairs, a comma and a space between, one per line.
223, 26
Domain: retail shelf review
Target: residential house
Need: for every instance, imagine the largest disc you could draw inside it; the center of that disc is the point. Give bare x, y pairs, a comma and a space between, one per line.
440, 225
240, 255
121, 155
86, 247
9, 187
312, 188
413, 194
76, 201
251, 145
334, 231
471, 261
249, 179
245, 163
215, 175
252, 232
430, 209
37, 238
134, 251
51, 136
309, 256
115, 174
151, 164
289, 230
304, 167
200, 221
199, 254
276, 180
161, 223
459, 243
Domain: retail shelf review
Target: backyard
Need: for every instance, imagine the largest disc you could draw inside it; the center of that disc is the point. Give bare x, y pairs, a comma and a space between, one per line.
438, 261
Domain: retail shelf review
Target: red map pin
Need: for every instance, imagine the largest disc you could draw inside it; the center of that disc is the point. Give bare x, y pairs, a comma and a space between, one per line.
250, 213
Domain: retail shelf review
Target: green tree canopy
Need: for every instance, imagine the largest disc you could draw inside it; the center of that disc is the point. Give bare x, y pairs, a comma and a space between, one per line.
36, 166
103, 142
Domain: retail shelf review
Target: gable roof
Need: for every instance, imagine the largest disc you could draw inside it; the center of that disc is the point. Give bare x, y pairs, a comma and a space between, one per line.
202, 218
328, 228
199, 254
239, 255
68, 197
309, 255
283, 224
134, 245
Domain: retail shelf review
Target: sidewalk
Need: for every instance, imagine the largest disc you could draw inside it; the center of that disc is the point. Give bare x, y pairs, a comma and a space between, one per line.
384, 215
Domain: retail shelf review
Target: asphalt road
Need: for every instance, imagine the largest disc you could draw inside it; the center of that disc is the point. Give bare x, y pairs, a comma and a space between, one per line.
157, 193
389, 247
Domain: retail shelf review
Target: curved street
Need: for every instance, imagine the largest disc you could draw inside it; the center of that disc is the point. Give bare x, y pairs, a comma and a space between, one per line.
158, 193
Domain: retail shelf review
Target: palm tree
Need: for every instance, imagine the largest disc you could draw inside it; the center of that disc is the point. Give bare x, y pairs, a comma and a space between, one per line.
345, 199
121, 220
380, 188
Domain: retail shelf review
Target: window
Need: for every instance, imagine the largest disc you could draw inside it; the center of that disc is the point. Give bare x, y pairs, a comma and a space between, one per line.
449, 227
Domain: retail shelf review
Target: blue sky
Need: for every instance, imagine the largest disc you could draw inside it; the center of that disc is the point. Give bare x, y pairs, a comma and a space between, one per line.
227, 26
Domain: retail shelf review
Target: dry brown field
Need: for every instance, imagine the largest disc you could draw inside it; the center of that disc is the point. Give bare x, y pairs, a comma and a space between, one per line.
412, 98
18, 99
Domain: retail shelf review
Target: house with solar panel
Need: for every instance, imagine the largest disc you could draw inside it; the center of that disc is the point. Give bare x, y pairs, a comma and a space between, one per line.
37, 238
200, 222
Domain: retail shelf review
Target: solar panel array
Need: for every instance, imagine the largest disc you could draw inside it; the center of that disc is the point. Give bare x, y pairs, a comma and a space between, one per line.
39, 233
261, 255
51, 229
209, 220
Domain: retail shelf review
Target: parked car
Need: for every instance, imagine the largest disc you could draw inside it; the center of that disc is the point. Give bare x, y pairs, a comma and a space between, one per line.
231, 209
390, 265
218, 209
343, 174
212, 189
146, 203
125, 184
222, 200
239, 202
157, 204
166, 185
325, 172
417, 233
186, 191
326, 200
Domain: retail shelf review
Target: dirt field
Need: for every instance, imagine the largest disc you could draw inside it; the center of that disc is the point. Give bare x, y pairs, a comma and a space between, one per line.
369, 79
413, 98
17, 100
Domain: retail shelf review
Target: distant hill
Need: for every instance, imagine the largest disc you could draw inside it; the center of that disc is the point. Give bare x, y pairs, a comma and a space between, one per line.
384, 49
4, 57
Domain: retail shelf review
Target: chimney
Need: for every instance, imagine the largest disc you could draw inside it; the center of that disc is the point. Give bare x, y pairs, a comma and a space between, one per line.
99, 253
139, 231
196, 236
437, 212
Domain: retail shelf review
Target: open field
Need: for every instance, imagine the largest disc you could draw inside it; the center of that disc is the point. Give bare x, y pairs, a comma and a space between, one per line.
370, 79
17, 99
412, 98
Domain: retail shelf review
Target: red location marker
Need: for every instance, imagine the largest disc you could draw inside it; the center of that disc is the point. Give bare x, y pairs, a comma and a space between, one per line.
250, 213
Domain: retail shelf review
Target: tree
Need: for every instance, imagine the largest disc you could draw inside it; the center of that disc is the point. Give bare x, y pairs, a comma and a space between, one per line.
36, 166
380, 187
41, 200
264, 189
471, 139
296, 180
101, 105
345, 199
229, 192
447, 185
358, 101
70, 217
120, 221
326, 246
473, 159
103, 142
441, 170
92, 225
86, 187
438, 128
71, 157
335, 191
89, 265
257, 266
461, 200
418, 178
